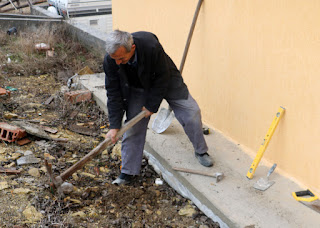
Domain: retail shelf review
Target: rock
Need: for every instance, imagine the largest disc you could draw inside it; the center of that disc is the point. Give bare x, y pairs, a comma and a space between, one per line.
27, 153
12, 164
116, 151
87, 175
3, 159
104, 170
80, 214
29, 159
34, 172
76, 201
48, 156
66, 188
158, 181
187, 211
16, 155
21, 191
75, 177
93, 214
10, 116
105, 152
2, 150
43, 169
32, 215
3, 185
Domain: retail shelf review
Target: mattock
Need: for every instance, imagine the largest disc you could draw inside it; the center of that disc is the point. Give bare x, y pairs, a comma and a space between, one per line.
58, 181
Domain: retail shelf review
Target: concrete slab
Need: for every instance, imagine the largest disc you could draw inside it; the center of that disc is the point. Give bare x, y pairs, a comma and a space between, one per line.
233, 202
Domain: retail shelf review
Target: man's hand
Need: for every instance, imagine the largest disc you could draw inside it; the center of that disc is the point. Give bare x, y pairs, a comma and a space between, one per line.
148, 113
112, 135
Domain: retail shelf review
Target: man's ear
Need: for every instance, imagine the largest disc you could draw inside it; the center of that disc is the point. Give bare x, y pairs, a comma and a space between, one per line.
133, 47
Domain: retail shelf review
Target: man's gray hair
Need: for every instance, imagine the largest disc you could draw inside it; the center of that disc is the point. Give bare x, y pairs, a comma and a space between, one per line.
116, 39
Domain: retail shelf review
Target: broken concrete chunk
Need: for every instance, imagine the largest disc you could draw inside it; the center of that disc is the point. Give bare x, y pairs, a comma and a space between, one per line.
29, 159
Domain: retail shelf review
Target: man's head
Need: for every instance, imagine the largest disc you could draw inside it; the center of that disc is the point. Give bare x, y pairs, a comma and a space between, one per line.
120, 46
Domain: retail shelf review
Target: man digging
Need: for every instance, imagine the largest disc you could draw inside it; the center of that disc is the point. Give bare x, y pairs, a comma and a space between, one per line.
139, 75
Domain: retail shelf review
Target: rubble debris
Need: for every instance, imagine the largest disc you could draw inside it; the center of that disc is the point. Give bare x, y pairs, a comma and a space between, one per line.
23, 141
78, 96
188, 211
158, 181
35, 130
32, 215
21, 191
83, 130
85, 70
9, 116
11, 133
4, 92
73, 114
34, 172
42, 47
66, 188
3, 185
49, 129
9, 171
49, 100
26, 160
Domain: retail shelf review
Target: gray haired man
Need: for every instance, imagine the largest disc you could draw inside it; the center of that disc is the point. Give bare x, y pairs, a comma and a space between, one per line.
139, 75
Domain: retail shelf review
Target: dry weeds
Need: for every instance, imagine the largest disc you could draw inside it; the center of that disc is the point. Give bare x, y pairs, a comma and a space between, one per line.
26, 60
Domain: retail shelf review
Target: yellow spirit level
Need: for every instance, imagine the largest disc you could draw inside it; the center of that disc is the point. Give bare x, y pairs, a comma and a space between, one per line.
265, 142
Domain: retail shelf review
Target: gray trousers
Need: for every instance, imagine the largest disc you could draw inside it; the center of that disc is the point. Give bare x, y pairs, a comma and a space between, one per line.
187, 113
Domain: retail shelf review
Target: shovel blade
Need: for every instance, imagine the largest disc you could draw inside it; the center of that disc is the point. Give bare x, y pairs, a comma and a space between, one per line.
263, 184
162, 120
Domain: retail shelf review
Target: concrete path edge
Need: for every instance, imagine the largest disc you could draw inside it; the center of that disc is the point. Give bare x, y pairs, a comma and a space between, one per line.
183, 187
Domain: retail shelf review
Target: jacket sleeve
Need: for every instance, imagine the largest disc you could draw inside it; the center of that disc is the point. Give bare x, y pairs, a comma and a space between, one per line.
115, 103
160, 77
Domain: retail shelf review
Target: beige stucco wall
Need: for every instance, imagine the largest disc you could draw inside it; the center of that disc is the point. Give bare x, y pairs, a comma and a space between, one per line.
247, 58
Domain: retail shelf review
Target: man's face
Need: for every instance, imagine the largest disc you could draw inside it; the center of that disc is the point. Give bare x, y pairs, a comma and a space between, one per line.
121, 56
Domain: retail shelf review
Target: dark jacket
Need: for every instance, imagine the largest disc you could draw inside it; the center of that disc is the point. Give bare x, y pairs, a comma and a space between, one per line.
157, 73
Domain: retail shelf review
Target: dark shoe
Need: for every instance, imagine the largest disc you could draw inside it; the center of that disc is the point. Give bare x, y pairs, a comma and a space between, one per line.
123, 179
204, 159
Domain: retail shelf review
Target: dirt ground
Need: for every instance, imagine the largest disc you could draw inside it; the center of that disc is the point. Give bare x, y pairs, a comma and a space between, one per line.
27, 198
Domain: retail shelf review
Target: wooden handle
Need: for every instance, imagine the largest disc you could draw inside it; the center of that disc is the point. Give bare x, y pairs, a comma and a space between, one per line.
195, 16
101, 147
193, 171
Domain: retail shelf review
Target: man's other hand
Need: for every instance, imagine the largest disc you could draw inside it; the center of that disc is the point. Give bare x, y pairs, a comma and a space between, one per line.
112, 133
148, 113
